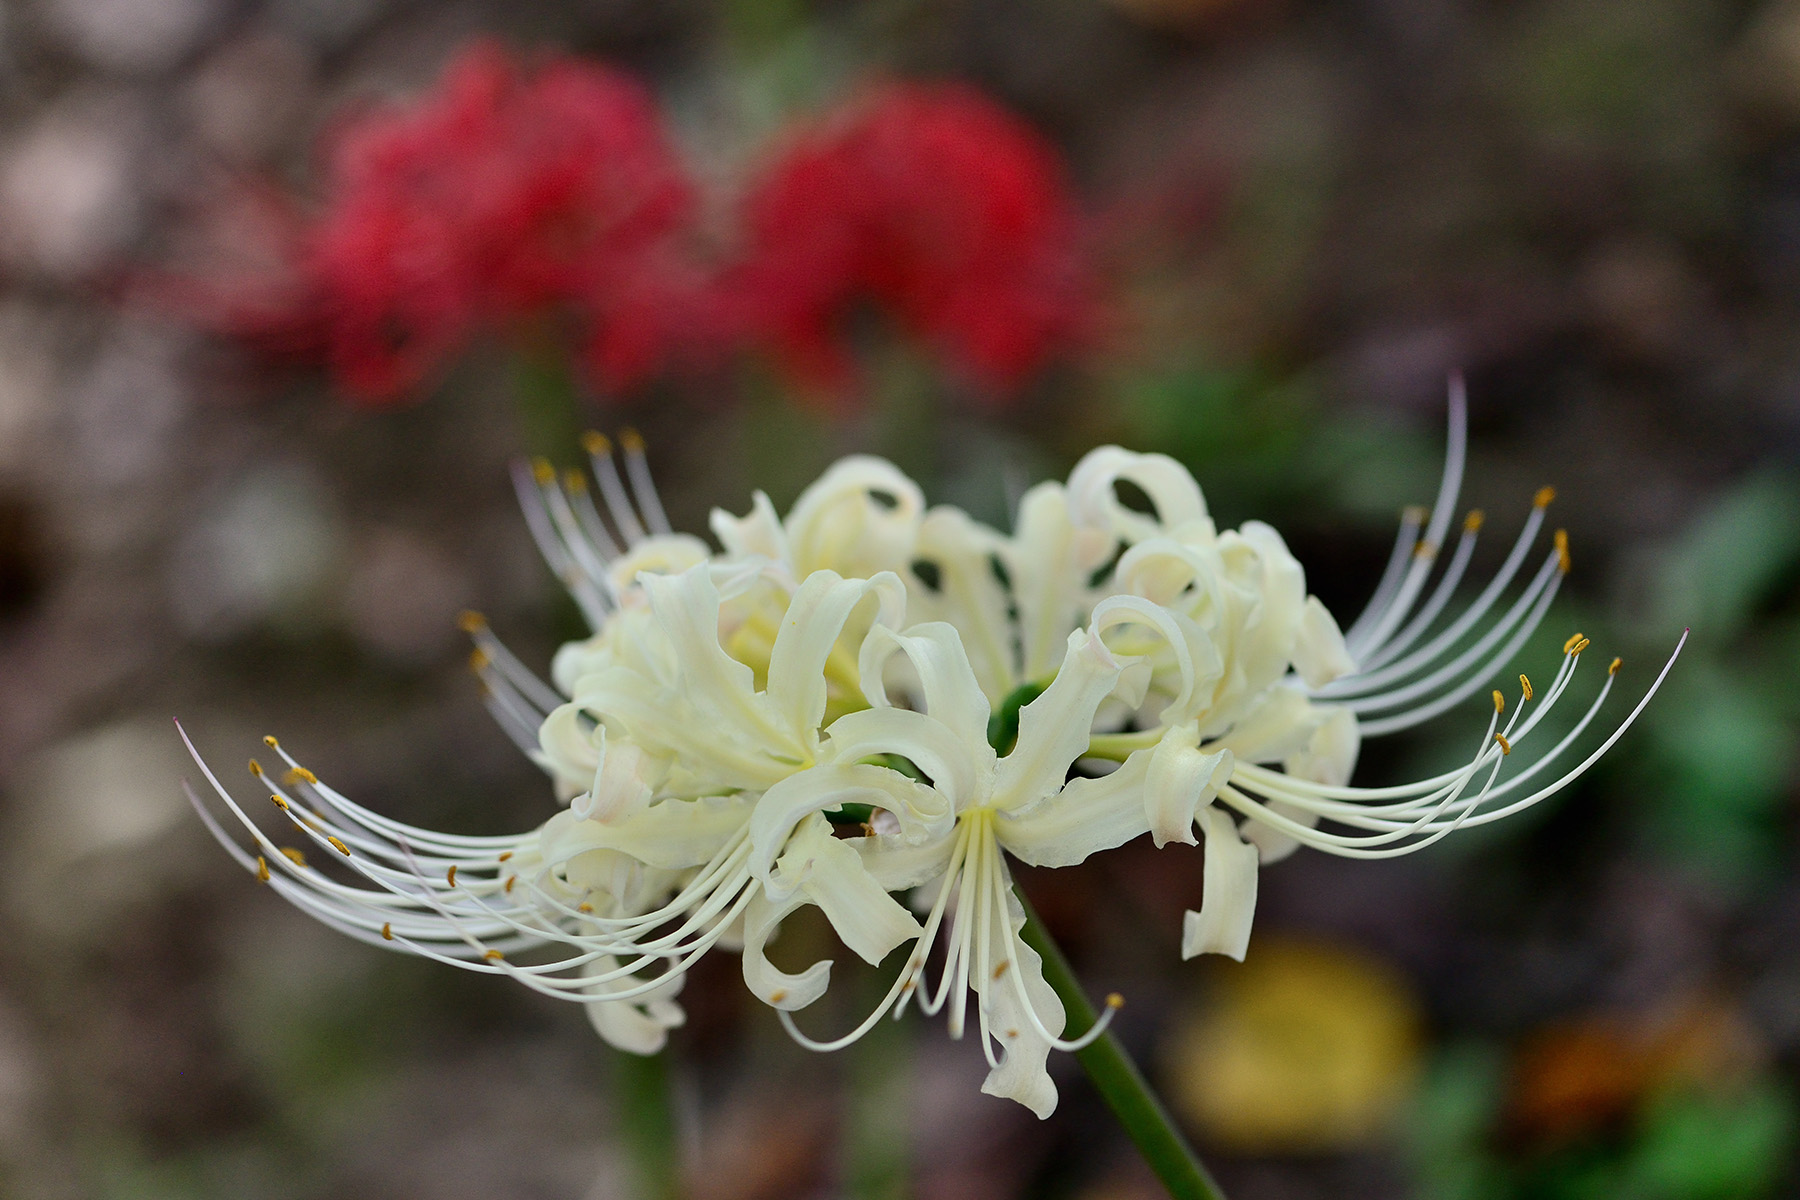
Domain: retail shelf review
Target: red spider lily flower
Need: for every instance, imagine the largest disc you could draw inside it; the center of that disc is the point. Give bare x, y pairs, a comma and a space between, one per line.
501, 196
938, 207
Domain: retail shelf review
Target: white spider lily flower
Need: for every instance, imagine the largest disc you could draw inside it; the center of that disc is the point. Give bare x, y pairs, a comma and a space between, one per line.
957, 693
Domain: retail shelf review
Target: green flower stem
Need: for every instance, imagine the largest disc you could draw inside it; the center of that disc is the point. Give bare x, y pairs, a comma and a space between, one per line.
646, 1111
1118, 1079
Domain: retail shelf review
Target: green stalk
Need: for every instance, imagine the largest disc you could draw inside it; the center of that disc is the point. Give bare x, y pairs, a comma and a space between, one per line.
647, 1121
547, 395
1118, 1079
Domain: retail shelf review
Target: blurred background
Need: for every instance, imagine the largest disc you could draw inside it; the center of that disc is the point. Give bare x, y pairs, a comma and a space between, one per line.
1282, 224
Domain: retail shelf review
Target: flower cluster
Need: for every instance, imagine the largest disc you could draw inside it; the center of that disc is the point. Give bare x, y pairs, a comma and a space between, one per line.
938, 208
500, 196
510, 194
870, 700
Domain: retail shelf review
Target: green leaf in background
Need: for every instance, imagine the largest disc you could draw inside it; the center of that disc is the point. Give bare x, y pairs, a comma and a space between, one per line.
1697, 1146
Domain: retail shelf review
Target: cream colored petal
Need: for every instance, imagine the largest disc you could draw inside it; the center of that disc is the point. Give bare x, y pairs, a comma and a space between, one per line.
640, 1025
756, 534
816, 617
956, 764
1193, 662
1054, 729
1022, 1073
1085, 817
967, 594
1228, 893
670, 834
1049, 561
623, 782
829, 872
663, 554
1167, 483
921, 811
1281, 723
1319, 652
1180, 782
775, 987
859, 518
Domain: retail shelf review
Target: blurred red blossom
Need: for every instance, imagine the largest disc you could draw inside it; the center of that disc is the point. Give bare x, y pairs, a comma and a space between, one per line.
937, 207
504, 196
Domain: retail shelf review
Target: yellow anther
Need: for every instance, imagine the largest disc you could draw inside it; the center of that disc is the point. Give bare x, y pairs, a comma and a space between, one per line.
510, 880
1574, 640
543, 471
631, 440
1114, 1000
478, 661
1543, 498
450, 875
1474, 520
493, 955
1415, 514
262, 869
504, 857
596, 443
1505, 746
470, 621
584, 907
387, 930
777, 996
1425, 550
1562, 551
294, 856
1525, 685
278, 802
256, 768
1613, 668
1499, 703
574, 481
1580, 646
339, 846
1012, 1033
909, 985
299, 775
270, 742
1001, 969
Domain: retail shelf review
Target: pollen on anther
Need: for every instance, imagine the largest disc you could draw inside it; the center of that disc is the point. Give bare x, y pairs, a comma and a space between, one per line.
1012, 1033
450, 875
262, 869
470, 621
338, 846
777, 996
584, 907
1425, 550
543, 472
596, 443
256, 768
387, 930
1499, 702
294, 856
1563, 562
1574, 640
1525, 685
278, 802
1543, 498
510, 880
493, 955
631, 440
269, 741
1473, 522
299, 775
1001, 969
1114, 1000
504, 857
1613, 667
1505, 746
